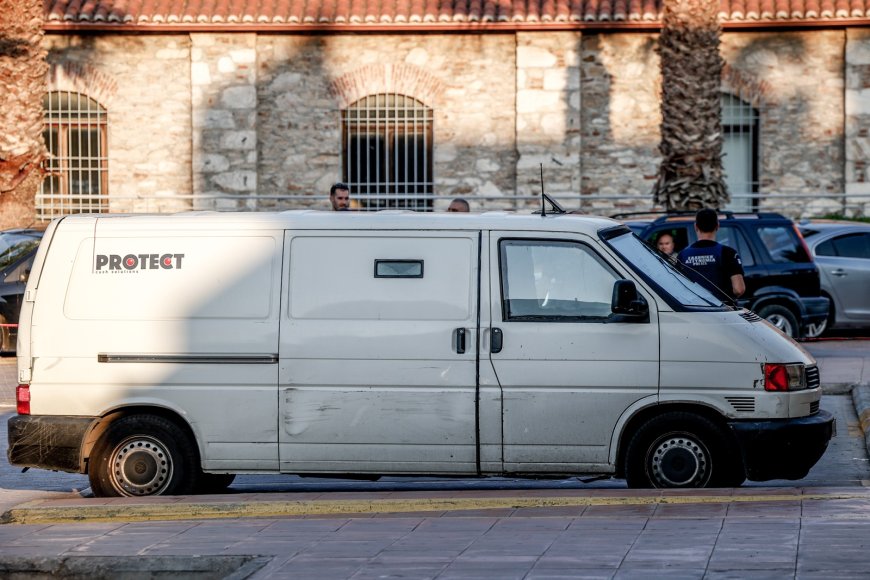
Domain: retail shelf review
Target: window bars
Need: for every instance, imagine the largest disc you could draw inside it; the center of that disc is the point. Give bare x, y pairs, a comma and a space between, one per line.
387, 152
76, 169
740, 145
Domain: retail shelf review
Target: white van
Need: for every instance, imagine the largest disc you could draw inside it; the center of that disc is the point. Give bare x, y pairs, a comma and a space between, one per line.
163, 354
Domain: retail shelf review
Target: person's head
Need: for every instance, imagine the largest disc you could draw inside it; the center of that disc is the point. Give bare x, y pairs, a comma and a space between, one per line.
458, 205
339, 196
707, 221
665, 243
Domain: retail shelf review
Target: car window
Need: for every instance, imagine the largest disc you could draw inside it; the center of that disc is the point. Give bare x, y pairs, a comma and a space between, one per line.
554, 280
734, 238
679, 233
855, 245
782, 244
13, 247
15, 275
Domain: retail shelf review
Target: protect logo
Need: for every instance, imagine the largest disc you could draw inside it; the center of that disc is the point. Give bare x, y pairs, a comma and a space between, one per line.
131, 262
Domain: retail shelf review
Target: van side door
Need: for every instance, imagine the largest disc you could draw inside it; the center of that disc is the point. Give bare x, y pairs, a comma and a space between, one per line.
378, 352
567, 367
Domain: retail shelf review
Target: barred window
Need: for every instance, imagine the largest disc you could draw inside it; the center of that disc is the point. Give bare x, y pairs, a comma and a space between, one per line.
740, 146
76, 178
387, 152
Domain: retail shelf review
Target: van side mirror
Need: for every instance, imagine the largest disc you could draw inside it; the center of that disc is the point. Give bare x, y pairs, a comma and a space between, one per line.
627, 301
24, 276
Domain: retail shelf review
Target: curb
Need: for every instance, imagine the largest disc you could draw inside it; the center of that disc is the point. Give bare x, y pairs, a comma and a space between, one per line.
32, 513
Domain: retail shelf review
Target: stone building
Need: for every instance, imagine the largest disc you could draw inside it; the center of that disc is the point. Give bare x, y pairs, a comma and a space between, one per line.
254, 104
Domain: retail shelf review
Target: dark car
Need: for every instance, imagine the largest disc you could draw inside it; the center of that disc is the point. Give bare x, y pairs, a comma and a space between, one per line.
782, 281
842, 253
17, 250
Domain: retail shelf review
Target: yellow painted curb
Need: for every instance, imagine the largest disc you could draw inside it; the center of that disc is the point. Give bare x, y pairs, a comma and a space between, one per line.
32, 513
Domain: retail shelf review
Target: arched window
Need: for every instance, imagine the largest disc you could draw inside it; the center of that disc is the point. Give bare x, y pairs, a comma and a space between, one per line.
740, 146
76, 178
387, 152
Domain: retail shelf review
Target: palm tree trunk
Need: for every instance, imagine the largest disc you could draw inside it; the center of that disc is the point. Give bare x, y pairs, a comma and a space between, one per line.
22, 87
690, 176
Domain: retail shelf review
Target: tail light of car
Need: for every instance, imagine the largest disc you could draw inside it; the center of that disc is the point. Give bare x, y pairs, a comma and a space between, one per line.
22, 398
782, 377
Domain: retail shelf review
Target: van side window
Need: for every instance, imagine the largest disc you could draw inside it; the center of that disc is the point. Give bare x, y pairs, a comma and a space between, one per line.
554, 280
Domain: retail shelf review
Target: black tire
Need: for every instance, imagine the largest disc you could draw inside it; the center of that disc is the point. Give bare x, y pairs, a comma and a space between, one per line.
143, 455
214, 482
782, 318
682, 450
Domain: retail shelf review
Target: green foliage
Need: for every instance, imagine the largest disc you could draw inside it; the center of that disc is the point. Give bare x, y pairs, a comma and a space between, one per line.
839, 216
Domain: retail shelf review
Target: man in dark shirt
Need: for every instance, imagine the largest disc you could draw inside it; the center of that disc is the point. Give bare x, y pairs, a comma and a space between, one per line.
711, 264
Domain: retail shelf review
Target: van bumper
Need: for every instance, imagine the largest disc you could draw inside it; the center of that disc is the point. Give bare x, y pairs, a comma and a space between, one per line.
783, 448
47, 442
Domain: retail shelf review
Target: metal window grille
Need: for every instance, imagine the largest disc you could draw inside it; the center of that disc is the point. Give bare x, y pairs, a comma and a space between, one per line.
387, 152
740, 122
75, 134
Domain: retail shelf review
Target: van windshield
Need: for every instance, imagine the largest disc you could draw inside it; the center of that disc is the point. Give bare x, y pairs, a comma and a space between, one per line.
659, 272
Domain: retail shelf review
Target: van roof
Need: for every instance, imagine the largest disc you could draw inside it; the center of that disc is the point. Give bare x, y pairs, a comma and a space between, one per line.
349, 220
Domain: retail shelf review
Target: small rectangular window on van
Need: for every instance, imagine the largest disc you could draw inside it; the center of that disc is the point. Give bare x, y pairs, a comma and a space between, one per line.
398, 268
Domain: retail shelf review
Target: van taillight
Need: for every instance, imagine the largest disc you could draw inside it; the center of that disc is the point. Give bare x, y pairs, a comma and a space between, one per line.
779, 377
22, 397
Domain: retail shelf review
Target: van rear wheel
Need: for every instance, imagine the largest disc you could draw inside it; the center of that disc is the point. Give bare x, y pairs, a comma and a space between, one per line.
681, 450
143, 455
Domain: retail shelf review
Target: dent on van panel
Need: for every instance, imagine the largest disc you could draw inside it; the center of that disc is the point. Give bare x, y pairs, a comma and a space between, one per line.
321, 415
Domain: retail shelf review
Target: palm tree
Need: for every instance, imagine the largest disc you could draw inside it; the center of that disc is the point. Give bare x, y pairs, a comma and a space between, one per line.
22, 87
690, 176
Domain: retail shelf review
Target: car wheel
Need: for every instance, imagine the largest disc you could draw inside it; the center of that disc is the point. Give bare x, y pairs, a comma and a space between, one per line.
681, 450
214, 482
143, 455
782, 318
817, 330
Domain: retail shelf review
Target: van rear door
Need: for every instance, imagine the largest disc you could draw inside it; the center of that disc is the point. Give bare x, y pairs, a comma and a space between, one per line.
378, 352
567, 370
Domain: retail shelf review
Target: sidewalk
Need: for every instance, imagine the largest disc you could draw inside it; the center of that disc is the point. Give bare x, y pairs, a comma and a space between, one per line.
742, 533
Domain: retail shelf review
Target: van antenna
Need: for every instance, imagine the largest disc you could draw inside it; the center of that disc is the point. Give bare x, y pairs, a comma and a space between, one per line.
547, 199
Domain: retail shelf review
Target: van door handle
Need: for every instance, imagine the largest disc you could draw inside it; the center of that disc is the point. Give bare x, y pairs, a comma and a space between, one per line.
459, 340
495, 340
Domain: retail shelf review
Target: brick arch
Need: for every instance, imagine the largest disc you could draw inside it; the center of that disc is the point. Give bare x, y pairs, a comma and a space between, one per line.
84, 79
401, 78
749, 89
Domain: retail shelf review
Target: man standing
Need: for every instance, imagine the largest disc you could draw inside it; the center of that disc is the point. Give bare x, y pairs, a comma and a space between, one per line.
712, 265
339, 196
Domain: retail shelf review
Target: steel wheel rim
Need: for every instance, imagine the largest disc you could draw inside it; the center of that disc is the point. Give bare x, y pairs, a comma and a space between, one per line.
140, 465
781, 322
678, 461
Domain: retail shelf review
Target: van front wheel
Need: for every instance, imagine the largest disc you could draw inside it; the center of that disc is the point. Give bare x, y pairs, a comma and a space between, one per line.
143, 455
681, 450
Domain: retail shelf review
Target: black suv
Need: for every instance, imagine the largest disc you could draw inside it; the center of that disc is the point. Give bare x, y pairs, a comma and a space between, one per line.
17, 250
782, 282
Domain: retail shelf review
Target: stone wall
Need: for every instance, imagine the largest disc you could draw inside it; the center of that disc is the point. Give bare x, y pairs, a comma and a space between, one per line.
796, 79
620, 120
224, 116
304, 81
144, 83
858, 122
239, 120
